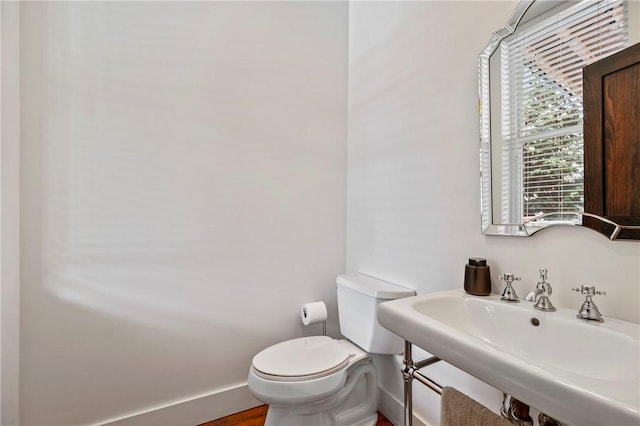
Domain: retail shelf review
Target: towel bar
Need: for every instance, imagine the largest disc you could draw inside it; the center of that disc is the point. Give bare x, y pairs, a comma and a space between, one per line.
409, 373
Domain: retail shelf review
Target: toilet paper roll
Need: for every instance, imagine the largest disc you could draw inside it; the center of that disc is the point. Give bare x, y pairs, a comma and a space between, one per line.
313, 313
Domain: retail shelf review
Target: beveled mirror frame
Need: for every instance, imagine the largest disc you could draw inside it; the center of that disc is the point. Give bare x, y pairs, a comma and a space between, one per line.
527, 228
484, 105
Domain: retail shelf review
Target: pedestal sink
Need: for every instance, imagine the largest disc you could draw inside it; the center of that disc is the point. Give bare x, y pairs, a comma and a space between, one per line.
579, 372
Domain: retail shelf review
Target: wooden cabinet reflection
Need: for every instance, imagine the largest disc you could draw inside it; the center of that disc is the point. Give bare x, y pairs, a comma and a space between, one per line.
612, 141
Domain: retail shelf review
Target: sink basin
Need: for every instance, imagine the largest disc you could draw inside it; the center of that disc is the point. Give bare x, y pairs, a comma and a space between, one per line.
578, 372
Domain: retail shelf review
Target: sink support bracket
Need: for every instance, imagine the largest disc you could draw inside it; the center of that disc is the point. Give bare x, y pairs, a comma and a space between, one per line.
409, 373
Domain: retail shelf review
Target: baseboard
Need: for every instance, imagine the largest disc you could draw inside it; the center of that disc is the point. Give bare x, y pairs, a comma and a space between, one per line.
192, 411
393, 410
231, 400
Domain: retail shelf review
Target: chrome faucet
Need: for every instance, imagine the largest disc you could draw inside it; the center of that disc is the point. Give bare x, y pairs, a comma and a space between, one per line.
509, 294
540, 295
589, 311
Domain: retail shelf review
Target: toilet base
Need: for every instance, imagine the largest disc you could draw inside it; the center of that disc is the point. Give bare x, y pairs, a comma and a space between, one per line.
354, 405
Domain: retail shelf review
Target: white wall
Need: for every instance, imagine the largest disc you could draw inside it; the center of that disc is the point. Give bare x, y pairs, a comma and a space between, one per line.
183, 185
9, 212
183, 193
413, 202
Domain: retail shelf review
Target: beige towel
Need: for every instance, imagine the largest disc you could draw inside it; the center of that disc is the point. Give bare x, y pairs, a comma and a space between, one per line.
457, 409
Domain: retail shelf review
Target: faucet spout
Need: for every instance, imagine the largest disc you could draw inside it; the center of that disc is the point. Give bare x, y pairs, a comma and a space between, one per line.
533, 295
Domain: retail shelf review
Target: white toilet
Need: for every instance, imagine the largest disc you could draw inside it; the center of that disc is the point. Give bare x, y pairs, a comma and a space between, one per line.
320, 381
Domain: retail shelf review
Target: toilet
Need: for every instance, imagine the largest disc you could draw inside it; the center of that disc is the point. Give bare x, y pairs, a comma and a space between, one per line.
320, 381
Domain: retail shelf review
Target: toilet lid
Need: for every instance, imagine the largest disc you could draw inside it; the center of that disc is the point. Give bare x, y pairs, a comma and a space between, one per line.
305, 356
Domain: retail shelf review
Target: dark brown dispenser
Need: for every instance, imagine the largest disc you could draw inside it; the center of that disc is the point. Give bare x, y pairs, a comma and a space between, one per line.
477, 277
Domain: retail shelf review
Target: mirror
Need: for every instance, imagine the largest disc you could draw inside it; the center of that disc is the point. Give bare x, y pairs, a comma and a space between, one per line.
531, 111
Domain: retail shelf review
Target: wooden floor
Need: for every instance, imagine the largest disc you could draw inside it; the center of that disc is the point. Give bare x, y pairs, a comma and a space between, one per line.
255, 417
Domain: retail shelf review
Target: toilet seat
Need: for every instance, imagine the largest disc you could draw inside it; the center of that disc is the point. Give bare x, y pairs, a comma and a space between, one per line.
318, 380
302, 359
311, 387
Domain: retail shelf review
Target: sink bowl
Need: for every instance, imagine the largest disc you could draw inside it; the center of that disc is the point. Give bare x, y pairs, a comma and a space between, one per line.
578, 372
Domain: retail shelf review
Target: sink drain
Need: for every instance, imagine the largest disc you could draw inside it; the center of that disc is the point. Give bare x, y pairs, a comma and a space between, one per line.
535, 322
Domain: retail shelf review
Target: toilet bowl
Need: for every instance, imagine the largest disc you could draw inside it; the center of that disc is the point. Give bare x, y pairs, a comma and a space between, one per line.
321, 381
313, 392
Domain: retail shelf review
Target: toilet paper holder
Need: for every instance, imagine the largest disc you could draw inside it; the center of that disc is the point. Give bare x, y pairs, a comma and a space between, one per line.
315, 313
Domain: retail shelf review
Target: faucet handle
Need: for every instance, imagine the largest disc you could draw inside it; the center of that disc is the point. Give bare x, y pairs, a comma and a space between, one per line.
589, 311
543, 274
508, 278
589, 291
509, 294
543, 284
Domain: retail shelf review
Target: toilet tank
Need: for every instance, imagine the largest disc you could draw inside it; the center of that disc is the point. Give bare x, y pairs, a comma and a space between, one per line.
358, 299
